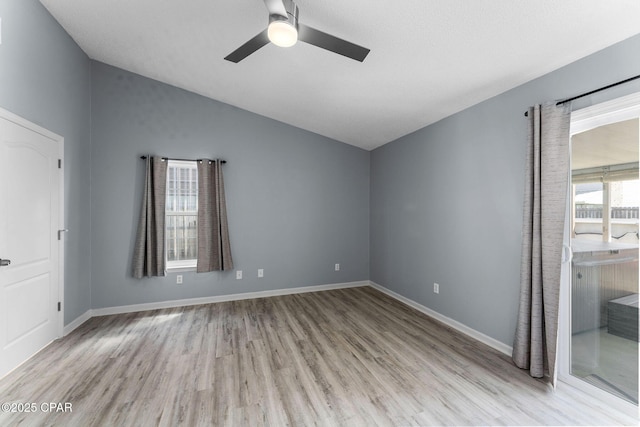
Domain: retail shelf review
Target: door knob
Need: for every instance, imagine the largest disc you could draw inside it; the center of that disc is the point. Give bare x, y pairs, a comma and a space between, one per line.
4, 262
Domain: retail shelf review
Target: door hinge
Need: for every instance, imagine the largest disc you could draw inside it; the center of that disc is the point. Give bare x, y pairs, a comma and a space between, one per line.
59, 163
59, 306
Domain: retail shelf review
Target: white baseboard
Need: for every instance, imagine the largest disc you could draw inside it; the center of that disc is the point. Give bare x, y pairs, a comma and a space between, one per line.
77, 322
204, 300
491, 342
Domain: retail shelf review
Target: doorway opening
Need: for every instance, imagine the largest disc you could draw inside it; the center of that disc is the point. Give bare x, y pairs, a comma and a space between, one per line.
601, 283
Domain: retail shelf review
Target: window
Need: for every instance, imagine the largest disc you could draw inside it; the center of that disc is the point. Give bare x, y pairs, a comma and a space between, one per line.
194, 239
181, 214
593, 200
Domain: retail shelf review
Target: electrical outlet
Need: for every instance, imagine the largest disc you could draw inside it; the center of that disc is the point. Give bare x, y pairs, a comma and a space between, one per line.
260, 272
436, 288
337, 267
238, 274
179, 279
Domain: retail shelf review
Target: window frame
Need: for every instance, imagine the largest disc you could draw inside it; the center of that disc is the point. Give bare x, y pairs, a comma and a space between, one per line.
186, 264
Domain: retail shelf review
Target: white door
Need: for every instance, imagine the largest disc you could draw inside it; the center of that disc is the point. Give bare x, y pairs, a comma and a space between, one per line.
30, 212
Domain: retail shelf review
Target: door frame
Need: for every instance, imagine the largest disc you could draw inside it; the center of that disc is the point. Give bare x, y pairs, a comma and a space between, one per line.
59, 141
619, 109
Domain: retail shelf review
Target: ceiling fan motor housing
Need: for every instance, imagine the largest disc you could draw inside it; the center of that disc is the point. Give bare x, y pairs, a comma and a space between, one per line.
292, 14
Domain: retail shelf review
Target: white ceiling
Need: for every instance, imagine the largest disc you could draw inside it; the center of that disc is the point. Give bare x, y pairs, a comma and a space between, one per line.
429, 58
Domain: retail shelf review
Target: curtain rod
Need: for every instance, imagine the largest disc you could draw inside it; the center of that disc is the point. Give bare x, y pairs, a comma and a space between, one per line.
183, 160
600, 89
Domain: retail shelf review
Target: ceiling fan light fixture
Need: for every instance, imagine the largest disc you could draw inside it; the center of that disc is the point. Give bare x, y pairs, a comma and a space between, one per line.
282, 33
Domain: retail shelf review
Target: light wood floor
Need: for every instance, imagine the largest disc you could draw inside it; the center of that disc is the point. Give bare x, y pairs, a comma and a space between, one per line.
343, 357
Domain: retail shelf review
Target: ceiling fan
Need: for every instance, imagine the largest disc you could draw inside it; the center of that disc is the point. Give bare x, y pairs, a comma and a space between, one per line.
284, 30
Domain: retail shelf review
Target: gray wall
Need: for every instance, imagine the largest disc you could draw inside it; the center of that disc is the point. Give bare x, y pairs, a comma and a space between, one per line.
45, 78
297, 202
446, 201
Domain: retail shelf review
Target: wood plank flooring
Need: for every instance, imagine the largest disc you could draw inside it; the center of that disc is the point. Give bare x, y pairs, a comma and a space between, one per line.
352, 357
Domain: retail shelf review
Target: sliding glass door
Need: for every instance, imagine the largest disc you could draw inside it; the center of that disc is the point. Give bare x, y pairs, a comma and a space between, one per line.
600, 330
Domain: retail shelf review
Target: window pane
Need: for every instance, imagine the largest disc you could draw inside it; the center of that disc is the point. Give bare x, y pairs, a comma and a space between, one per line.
625, 199
588, 211
182, 189
181, 212
182, 241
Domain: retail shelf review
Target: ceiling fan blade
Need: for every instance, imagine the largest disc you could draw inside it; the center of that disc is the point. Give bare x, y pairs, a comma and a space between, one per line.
275, 7
331, 43
248, 48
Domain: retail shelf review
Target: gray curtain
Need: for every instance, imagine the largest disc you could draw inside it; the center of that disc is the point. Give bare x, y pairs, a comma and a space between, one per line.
148, 253
214, 248
547, 175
